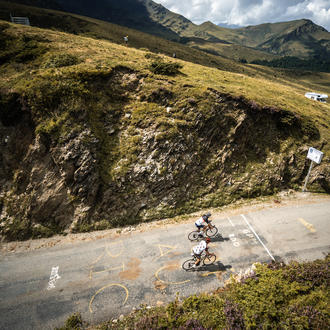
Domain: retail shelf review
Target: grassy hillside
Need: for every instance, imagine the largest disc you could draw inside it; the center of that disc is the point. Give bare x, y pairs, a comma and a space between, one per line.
294, 296
75, 24
100, 135
297, 38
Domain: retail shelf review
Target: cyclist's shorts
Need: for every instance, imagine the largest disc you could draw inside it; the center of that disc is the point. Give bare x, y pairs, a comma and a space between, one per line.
199, 226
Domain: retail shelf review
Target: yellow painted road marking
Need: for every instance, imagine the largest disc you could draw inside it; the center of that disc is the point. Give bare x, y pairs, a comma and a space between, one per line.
210, 273
165, 267
309, 226
119, 253
105, 270
105, 287
98, 259
162, 249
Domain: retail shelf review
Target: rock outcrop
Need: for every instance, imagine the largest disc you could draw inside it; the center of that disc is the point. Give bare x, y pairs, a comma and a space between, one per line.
144, 154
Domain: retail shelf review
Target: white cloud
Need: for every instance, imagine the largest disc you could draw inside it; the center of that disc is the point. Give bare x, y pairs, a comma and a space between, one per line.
251, 12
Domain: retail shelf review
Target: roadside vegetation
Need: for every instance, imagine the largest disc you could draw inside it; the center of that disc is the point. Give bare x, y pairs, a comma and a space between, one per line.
270, 296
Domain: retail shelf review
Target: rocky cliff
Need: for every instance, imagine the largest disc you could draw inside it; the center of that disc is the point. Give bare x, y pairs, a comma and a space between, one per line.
86, 148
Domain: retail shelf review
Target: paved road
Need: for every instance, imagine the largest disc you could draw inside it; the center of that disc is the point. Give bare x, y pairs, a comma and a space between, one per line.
106, 278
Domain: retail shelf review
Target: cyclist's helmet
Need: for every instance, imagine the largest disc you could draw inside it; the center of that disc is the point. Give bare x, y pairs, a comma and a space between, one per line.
207, 239
206, 216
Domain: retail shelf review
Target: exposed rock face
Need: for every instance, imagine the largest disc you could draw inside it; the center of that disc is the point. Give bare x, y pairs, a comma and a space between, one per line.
124, 169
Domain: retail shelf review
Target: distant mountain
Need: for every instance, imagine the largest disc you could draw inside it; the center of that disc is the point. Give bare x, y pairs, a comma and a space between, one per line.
229, 26
49, 4
300, 38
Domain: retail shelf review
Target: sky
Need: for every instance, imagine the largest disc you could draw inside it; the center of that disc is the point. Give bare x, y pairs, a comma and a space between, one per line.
251, 12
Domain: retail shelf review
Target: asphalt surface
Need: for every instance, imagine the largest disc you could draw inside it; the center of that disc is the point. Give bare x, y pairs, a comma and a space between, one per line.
108, 277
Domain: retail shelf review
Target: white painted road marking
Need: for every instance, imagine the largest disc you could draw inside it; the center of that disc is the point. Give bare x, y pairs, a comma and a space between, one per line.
231, 222
53, 278
234, 240
256, 235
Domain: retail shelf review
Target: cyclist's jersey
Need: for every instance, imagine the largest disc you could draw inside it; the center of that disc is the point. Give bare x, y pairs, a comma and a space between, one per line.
200, 221
198, 249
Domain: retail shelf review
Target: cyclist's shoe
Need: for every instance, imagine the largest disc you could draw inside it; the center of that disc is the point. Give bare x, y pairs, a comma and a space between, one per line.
200, 235
194, 266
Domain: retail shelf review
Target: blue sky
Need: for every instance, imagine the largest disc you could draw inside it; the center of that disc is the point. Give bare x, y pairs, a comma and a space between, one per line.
251, 12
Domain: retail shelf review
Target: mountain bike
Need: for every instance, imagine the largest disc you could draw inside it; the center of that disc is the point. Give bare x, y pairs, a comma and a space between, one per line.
211, 231
206, 259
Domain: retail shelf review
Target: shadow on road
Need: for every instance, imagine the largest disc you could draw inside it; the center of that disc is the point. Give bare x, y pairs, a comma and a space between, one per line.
219, 238
216, 267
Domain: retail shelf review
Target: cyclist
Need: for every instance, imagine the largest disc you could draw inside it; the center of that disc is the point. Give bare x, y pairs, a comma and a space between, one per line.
202, 223
198, 250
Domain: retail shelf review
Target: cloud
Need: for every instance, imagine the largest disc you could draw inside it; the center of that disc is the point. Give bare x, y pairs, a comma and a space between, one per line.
251, 12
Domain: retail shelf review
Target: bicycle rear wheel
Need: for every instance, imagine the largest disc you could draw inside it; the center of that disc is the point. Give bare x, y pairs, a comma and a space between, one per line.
193, 236
210, 259
188, 264
210, 232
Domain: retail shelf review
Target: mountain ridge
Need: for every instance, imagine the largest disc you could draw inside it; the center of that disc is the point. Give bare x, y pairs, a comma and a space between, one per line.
300, 38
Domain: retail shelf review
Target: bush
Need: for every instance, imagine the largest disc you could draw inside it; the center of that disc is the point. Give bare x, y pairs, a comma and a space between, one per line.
60, 60
165, 68
74, 322
234, 316
19, 49
153, 56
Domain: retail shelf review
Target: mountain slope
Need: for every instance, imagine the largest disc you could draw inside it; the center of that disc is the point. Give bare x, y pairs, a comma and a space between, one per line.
95, 138
297, 38
301, 38
45, 18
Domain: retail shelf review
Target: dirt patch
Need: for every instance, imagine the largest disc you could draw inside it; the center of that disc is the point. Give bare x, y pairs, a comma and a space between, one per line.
160, 285
133, 271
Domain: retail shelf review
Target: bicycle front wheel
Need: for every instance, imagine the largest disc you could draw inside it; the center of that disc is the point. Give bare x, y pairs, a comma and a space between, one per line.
210, 259
193, 236
210, 232
188, 264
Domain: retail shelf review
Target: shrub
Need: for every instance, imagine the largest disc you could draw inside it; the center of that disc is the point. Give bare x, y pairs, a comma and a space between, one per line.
192, 324
165, 68
60, 60
147, 322
153, 56
74, 322
315, 273
19, 49
234, 316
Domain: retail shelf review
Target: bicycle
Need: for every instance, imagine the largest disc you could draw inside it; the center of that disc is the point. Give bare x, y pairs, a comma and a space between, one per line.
211, 231
206, 259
